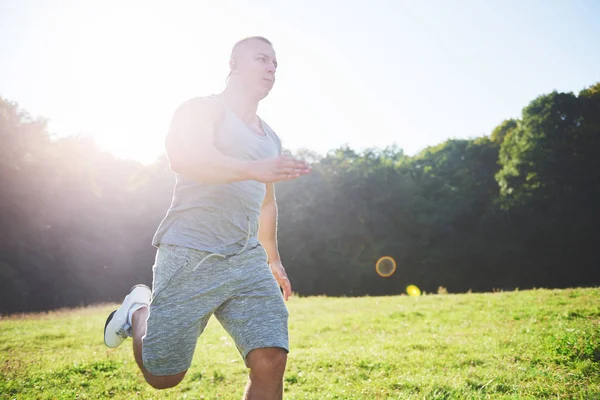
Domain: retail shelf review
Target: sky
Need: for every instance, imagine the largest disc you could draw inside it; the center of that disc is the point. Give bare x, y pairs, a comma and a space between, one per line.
364, 74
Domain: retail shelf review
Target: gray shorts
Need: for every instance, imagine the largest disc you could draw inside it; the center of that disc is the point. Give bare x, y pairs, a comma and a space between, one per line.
239, 290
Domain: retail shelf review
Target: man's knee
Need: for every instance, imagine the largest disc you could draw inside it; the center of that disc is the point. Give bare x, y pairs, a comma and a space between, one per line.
164, 382
268, 362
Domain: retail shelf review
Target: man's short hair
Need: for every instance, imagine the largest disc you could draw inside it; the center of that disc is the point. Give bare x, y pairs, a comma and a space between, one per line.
247, 39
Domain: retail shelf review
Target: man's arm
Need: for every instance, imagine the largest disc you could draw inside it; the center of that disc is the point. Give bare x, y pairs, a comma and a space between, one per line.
191, 150
267, 235
190, 147
267, 231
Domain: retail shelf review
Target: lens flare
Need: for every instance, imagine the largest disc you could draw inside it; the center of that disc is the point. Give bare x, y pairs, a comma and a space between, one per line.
412, 290
385, 266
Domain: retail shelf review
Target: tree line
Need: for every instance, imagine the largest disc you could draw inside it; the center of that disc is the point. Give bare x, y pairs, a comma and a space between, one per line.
517, 208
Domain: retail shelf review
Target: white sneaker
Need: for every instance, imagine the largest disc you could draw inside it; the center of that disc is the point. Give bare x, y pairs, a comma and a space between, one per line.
117, 326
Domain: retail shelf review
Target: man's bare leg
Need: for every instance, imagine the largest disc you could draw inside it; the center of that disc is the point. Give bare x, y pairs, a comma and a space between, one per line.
267, 367
138, 322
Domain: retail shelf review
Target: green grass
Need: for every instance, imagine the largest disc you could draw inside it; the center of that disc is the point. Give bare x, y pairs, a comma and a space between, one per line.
509, 345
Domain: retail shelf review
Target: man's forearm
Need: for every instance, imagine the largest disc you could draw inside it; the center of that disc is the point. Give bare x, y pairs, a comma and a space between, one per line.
212, 166
267, 232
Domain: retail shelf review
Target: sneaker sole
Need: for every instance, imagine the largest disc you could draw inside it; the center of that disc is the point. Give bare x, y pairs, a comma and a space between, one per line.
110, 317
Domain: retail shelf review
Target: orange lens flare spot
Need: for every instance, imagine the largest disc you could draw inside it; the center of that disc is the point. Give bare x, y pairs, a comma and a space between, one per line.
385, 266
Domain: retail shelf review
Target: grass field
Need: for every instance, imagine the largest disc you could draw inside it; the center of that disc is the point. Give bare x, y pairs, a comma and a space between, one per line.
507, 345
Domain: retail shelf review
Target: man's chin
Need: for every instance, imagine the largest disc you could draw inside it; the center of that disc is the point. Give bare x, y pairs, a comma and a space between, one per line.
264, 92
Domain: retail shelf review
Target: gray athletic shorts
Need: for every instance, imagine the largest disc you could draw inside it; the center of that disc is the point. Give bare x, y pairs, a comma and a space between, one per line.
239, 290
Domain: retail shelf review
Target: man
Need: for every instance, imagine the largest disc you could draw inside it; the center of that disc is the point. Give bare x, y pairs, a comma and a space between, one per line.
217, 245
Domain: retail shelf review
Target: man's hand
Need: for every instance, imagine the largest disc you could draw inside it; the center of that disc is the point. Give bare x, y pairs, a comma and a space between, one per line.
281, 278
282, 168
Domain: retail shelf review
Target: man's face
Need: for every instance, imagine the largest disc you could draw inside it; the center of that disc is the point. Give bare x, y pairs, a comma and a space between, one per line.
255, 64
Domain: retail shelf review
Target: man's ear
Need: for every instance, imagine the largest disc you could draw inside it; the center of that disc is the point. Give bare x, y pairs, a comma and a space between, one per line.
233, 63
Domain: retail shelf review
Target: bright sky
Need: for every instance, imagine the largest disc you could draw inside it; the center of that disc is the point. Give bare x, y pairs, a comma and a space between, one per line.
366, 74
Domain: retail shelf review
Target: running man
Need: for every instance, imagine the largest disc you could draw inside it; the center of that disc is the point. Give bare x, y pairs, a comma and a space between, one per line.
217, 251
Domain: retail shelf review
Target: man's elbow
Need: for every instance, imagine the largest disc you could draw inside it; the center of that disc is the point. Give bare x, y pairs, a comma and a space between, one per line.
178, 166
183, 168
174, 166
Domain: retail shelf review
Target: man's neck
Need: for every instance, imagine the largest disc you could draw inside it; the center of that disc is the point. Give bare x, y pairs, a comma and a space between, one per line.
240, 102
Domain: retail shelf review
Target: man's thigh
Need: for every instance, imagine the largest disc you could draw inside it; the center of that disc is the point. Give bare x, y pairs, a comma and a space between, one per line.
182, 303
255, 316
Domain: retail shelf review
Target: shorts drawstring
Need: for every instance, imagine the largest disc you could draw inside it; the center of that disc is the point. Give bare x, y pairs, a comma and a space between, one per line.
239, 252
206, 258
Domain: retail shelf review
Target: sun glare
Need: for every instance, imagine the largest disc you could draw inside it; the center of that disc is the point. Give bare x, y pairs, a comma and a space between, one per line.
126, 81
125, 145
